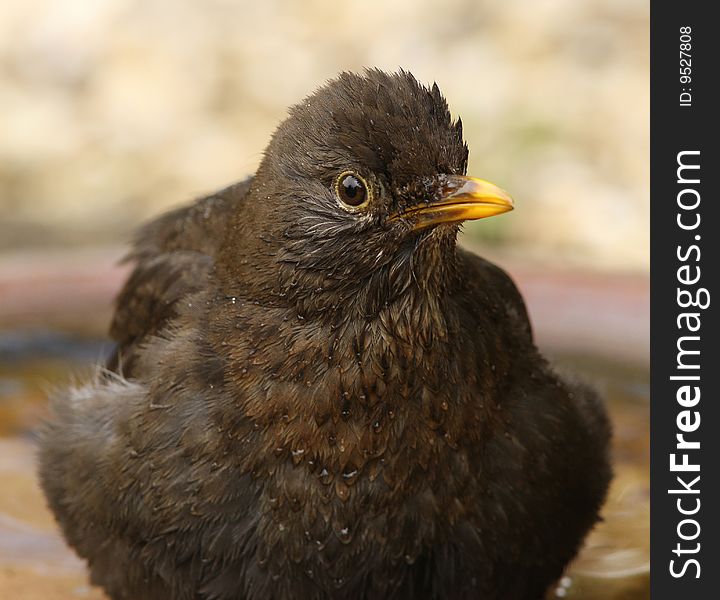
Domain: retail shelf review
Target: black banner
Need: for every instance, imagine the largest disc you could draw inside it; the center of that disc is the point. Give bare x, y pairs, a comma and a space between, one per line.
685, 406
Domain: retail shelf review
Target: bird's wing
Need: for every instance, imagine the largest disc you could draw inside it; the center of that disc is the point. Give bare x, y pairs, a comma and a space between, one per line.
172, 255
488, 279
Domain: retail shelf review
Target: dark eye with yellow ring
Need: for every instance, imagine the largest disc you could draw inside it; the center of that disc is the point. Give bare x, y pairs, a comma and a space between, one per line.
352, 190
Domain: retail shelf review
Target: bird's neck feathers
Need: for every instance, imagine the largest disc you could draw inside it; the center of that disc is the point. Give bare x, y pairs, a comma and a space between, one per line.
344, 276
405, 307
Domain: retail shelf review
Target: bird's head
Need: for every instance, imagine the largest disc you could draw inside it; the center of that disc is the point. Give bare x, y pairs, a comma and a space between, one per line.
362, 189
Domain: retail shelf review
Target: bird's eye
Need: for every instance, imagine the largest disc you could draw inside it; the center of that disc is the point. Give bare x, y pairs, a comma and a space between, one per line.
352, 191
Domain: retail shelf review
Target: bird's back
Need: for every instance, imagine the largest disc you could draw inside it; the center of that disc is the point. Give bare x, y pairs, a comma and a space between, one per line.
172, 257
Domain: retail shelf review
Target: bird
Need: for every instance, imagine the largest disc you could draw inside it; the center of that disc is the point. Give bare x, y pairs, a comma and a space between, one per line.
316, 394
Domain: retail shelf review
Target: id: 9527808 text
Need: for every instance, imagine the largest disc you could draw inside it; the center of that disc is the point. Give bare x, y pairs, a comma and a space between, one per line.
685, 65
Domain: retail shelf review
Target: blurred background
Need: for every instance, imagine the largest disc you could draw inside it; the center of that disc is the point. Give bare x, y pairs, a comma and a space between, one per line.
112, 111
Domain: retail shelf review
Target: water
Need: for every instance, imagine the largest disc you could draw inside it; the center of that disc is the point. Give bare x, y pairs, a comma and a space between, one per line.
35, 564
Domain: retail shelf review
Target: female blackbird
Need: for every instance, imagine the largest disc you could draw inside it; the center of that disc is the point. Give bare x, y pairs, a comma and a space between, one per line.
317, 395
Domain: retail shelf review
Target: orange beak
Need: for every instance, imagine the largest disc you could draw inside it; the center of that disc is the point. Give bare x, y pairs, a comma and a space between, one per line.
461, 199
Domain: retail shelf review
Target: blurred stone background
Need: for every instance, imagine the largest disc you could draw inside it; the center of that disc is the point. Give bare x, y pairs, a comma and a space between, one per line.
113, 110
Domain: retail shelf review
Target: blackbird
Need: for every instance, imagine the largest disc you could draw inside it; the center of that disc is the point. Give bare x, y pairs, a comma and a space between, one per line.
317, 395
